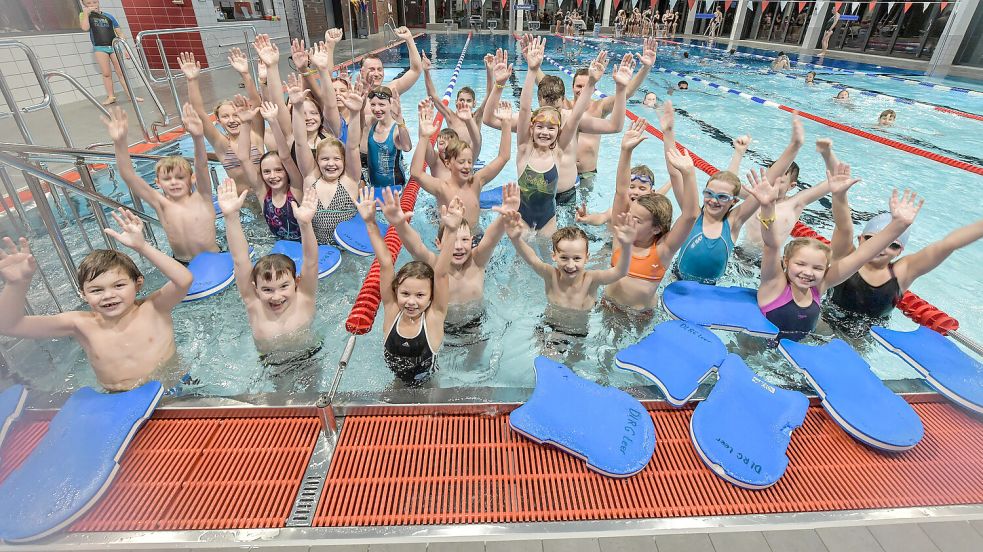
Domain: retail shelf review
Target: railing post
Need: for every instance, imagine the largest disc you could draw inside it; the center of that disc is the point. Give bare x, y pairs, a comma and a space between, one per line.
54, 231
86, 177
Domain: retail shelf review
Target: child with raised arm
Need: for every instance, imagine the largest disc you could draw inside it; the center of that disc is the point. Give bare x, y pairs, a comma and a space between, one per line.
468, 261
464, 119
658, 237
568, 283
876, 288
792, 283
461, 180
434, 155
414, 300
386, 139
279, 301
225, 113
128, 341
335, 172
185, 207
278, 183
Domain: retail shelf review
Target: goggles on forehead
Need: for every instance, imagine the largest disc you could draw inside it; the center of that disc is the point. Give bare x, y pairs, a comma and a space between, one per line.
379, 94
546, 115
641, 178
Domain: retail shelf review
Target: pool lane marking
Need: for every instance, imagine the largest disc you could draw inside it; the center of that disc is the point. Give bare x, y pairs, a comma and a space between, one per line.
953, 89
365, 307
969, 167
911, 305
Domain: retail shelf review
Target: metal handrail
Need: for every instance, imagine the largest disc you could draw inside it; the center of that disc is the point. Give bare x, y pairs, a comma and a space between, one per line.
78, 86
120, 46
55, 154
36, 67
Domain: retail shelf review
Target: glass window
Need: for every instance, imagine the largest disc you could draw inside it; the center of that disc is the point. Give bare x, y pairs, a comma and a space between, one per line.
39, 16
971, 51
939, 20
243, 10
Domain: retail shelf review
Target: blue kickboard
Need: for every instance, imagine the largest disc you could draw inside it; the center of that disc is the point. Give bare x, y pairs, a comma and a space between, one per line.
377, 192
955, 374
213, 273
74, 463
490, 198
11, 404
607, 427
354, 236
677, 356
328, 257
742, 430
719, 307
854, 396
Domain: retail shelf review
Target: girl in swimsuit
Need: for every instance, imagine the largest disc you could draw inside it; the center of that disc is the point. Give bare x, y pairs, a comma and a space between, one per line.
657, 238
792, 284
386, 139
414, 300
228, 120
541, 142
335, 173
278, 182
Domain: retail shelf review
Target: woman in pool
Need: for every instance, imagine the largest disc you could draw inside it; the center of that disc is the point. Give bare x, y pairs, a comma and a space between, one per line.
334, 172
386, 139
228, 120
414, 300
793, 283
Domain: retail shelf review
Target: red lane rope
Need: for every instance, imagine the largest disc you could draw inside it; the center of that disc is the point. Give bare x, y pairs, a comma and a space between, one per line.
913, 306
959, 113
366, 305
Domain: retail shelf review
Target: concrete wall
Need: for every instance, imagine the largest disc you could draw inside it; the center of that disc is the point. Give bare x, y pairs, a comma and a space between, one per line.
218, 43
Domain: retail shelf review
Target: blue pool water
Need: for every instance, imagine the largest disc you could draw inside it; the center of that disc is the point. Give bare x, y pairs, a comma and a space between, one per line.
215, 343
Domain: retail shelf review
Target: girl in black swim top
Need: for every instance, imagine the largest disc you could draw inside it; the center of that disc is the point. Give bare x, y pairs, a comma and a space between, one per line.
793, 283
414, 300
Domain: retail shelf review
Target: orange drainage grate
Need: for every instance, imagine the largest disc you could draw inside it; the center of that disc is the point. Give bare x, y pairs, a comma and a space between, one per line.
411, 470
188, 473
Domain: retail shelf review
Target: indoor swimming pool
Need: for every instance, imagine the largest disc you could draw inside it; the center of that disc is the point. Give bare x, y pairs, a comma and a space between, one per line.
493, 346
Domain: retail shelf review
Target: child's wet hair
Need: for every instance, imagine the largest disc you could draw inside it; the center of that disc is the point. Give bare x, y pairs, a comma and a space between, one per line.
413, 269
448, 134
269, 155
271, 267
219, 105
661, 209
887, 112
801, 243
100, 261
454, 149
644, 170
728, 177
572, 233
467, 90
793, 172
329, 141
173, 163
441, 228
551, 90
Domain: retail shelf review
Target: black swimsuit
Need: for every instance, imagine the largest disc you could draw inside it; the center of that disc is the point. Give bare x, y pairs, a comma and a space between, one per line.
410, 358
856, 295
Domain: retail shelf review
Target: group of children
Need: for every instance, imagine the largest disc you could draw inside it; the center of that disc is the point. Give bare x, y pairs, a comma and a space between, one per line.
300, 148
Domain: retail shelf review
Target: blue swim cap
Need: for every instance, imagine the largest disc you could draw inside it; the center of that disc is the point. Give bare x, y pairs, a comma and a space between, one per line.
879, 223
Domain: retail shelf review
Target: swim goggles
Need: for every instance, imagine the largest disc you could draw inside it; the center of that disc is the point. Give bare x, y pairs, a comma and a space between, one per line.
722, 198
641, 178
893, 247
379, 94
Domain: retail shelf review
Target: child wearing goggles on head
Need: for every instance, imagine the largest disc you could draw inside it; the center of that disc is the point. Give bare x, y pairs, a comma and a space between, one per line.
876, 288
640, 183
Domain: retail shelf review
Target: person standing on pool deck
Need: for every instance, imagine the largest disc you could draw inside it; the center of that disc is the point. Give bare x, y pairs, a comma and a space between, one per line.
103, 29
128, 341
829, 32
415, 299
658, 237
792, 284
877, 287
185, 207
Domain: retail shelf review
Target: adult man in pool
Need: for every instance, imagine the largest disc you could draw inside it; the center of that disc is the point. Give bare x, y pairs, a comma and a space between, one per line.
374, 71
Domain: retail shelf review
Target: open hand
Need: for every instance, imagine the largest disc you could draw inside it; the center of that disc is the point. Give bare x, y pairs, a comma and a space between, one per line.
514, 227
649, 50
132, 226
535, 52
17, 265
267, 51
229, 199
245, 111
840, 180
298, 53
452, 214
319, 57
116, 124
392, 208
238, 61
305, 210
395, 107
295, 89
190, 67
667, 119
761, 188
635, 134
366, 204
624, 229
598, 67
682, 162
504, 112
798, 131
624, 70
269, 111
510, 199
427, 128
191, 121
905, 209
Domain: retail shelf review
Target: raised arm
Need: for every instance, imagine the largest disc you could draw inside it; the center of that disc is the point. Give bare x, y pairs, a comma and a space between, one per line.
427, 128
918, 264
451, 216
366, 209
322, 56
17, 267
491, 169
409, 78
534, 58
203, 179
402, 138
305, 159
432, 90
230, 202
269, 55
355, 102
685, 192
192, 70
740, 144
625, 232
304, 213
239, 62
489, 84
117, 126
616, 122
649, 49
772, 275
840, 181
301, 57
179, 278
501, 72
514, 229
393, 211
569, 131
269, 113
903, 213
633, 136
493, 233
781, 165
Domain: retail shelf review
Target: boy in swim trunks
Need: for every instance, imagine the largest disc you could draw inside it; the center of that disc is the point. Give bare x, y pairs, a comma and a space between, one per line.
279, 301
464, 120
568, 283
127, 340
185, 207
103, 29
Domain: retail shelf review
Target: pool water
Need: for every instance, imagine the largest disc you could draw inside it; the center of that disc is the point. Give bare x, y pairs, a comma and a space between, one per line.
216, 346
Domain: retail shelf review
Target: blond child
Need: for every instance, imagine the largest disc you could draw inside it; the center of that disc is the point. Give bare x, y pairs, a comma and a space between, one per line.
127, 340
458, 160
465, 120
103, 29
185, 207
414, 299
